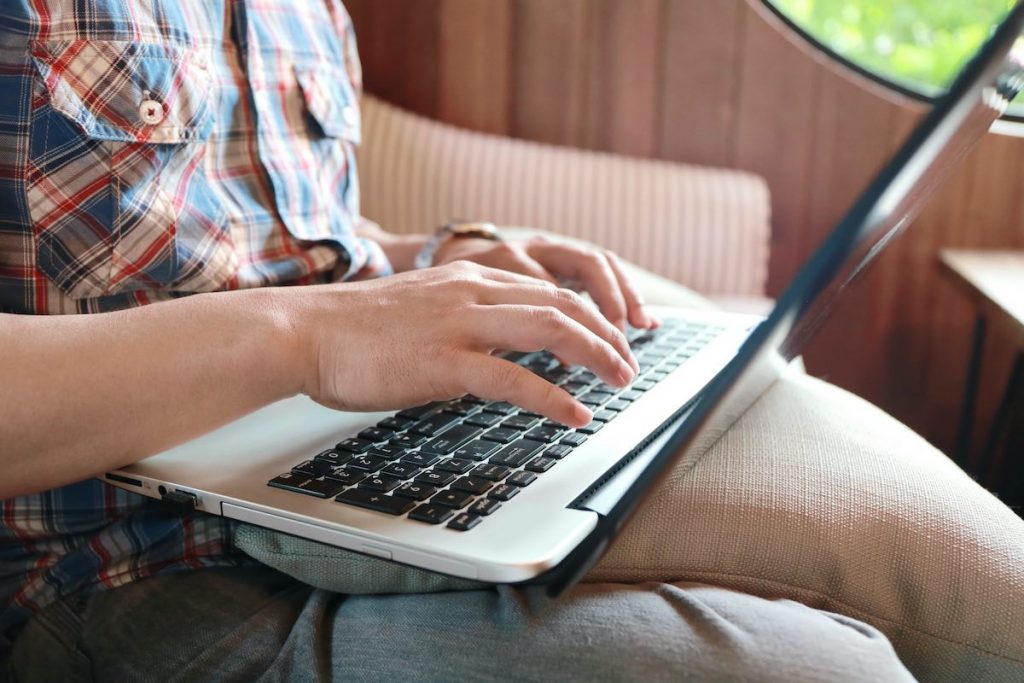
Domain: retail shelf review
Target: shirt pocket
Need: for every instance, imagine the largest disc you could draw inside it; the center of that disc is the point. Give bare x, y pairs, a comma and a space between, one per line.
308, 128
117, 189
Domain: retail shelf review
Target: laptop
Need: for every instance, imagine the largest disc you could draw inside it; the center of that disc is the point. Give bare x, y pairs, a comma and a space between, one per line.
486, 491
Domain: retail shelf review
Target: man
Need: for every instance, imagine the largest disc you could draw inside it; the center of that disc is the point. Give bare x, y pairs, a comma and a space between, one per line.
165, 166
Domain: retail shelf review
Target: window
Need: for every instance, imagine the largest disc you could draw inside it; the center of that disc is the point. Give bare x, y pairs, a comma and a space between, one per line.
917, 45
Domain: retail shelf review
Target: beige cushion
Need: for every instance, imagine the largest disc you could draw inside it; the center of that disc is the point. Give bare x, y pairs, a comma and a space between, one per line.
707, 228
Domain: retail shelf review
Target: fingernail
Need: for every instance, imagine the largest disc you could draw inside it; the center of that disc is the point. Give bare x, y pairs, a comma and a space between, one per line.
626, 374
582, 414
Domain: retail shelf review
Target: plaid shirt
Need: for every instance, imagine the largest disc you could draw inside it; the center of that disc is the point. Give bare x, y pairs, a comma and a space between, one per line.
149, 150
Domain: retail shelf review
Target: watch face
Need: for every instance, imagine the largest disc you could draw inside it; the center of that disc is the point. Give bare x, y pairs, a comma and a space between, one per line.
486, 230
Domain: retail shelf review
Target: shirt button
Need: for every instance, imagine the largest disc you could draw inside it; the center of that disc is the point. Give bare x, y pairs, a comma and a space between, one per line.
201, 61
151, 112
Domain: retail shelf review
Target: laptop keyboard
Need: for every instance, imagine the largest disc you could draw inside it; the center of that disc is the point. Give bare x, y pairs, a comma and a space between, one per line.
459, 461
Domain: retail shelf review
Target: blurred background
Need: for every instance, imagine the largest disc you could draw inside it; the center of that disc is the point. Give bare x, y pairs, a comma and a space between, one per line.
738, 84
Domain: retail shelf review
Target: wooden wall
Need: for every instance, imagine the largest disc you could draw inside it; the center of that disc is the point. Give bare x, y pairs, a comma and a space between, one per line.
724, 83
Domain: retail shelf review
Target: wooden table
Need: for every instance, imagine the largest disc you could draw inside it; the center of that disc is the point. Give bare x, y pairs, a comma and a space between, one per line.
994, 282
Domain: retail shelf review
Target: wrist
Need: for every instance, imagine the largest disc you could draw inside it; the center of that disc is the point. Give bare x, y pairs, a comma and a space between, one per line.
283, 345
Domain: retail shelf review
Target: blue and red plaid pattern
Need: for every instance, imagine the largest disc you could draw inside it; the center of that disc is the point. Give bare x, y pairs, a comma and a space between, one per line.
150, 150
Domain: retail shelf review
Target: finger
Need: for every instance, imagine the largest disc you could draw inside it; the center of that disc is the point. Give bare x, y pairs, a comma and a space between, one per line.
496, 379
636, 311
570, 303
592, 270
532, 328
514, 259
486, 272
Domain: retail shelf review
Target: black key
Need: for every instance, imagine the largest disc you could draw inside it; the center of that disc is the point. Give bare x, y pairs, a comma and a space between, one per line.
434, 425
484, 419
501, 408
576, 388
402, 470
484, 507
313, 468
558, 451
457, 465
516, 356
408, 440
501, 435
630, 395
431, 513
381, 482
388, 450
289, 481
420, 459
642, 385
451, 439
321, 488
354, 445
545, 434
521, 479
464, 522
436, 478
592, 428
584, 376
519, 422
474, 485
345, 476
460, 408
335, 458
659, 375
616, 405
594, 397
415, 490
605, 415
373, 500
475, 400
605, 388
529, 414
574, 439
503, 492
452, 499
517, 453
541, 464
367, 463
417, 412
476, 450
555, 375
492, 472
375, 434
395, 423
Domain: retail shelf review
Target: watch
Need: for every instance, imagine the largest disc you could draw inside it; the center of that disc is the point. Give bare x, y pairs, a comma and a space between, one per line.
455, 230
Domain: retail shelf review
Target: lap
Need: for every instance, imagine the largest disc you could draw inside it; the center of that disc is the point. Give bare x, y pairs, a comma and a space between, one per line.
258, 624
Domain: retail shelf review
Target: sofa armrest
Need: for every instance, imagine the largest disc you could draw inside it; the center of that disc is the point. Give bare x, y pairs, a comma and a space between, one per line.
705, 228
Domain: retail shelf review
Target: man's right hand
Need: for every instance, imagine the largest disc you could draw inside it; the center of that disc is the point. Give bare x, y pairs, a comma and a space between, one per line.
430, 335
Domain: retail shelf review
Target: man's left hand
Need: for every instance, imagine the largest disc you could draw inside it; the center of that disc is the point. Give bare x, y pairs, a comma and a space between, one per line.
595, 270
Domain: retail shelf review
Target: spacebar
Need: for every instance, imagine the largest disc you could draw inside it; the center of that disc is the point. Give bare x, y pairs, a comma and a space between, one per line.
376, 501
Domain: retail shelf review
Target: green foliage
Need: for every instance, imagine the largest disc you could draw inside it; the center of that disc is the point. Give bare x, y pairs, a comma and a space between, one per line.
918, 43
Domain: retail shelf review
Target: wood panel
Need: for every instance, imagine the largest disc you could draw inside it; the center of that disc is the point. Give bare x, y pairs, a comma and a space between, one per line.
724, 83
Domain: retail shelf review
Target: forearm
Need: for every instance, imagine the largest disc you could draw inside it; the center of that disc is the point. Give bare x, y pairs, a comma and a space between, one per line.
83, 394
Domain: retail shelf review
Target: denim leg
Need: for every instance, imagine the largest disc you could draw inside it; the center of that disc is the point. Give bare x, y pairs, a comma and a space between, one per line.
257, 624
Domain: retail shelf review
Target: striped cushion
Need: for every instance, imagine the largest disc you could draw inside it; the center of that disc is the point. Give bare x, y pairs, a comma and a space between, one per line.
705, 228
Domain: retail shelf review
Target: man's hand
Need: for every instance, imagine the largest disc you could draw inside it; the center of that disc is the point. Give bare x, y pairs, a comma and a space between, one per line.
429, 335
597, 271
